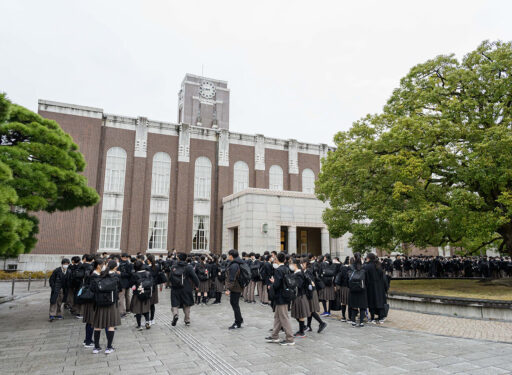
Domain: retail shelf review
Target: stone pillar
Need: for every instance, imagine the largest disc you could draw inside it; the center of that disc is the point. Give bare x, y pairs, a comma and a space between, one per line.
292, 239
324, 238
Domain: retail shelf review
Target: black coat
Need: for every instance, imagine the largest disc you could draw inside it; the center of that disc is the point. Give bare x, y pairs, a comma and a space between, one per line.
342, 277
358, 300
375, 287
185, 296
126, 270
266, 272
278, 285
58, 282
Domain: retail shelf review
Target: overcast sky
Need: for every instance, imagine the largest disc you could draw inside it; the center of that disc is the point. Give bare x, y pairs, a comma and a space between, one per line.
296, 69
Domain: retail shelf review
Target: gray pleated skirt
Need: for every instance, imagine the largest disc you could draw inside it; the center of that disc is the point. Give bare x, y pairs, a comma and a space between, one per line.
327, 294
139, 307
314, 303
300, 307
343, 293
105, 317
88, 312
204, 286
219, 286
154, 297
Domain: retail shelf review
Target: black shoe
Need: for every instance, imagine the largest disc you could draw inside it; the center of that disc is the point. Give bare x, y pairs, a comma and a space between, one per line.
322, 327
187, 324
216, 302
308, 329
174, 320
148, 326
235, 326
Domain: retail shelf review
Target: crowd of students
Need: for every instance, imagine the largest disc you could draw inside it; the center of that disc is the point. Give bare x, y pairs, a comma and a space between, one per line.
456, 266
100, 290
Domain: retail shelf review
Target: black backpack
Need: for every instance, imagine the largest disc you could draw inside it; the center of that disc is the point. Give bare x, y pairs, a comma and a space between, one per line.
244, 276
77, 276
177, 276
144, 290
255, 270
290, 287
106, 291
202, 272
328, 274
221, 275
356, 281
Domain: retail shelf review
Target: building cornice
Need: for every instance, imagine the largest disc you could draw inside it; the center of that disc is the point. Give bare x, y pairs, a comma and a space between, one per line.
268, 192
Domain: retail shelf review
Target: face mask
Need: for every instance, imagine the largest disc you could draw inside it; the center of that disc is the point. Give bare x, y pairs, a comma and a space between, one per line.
103, 268
65, 266
275, 265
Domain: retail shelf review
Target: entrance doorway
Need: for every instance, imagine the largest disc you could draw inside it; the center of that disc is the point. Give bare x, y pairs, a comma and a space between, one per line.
235, 238
309, 241
284, 238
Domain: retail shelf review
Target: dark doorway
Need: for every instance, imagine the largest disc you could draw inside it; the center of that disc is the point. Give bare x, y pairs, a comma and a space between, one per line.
284, 239
235, 238
309, 241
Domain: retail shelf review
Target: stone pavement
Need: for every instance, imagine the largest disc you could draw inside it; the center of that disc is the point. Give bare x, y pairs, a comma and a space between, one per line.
31, 345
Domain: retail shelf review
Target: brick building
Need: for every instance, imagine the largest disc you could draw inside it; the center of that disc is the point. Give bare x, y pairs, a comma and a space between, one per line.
193, 185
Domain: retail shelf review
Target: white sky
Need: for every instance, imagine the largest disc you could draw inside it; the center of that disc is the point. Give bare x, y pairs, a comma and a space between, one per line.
296, 69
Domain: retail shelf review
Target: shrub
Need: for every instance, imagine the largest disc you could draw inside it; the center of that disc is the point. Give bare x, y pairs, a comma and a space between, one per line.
24, 275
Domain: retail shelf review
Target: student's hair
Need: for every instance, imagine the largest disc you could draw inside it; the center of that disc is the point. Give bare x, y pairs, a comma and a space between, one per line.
252, 254
125, 255
234, 253
75, 259
182, 257
281, 257
151, 259
224, 256
296, 262
98, 262
347, 260
203, 258
371, 256
357, 261
110, 266
138, 265
65, 261
103, 253
244, 254
257, 256
140, 257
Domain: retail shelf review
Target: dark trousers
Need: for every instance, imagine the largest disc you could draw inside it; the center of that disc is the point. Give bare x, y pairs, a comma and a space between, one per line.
234, 300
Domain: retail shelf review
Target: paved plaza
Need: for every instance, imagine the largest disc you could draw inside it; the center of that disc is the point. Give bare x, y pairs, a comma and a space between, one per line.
31, 345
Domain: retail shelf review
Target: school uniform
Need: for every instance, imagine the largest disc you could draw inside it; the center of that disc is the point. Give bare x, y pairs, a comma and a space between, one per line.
125, 295
312, 296
58, 284
300, 305
137, 306
183, 296
341, 282
357, 300
266, 273
280, 306
106, 316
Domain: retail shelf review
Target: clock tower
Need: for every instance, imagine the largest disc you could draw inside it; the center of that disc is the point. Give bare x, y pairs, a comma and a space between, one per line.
203, 102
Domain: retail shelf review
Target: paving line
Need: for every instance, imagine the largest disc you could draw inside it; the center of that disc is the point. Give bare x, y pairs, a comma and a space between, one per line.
214, 361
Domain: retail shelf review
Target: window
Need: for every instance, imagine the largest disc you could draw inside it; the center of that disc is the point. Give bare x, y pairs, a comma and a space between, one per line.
113, 199
275, 178
201, 233
110, 236
203, 179
308, 181
240, 176
159, 208
161, 174
115, 170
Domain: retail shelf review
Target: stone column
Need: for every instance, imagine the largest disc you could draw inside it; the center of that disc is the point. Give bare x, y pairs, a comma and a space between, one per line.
292, 239
324, 238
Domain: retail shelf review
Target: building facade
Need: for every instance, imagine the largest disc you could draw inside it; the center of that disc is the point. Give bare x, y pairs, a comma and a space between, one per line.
192, 185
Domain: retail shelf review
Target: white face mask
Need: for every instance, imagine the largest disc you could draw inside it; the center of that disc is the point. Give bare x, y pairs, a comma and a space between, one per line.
103, 268
65, 266
275, 265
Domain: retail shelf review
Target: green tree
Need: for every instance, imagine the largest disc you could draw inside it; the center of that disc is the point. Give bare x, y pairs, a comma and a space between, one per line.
40, 169
435, 167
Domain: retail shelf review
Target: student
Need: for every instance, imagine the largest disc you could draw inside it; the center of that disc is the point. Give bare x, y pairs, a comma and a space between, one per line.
86, 298
233, 286
312, 296
125, 274
154, 269
204, 281
300, 305
266, 273
280, 303
357, 299
342, 288
326, 294
183, 280
376, 288
219, 278
142, 288
106, 289
74, 282
58, 283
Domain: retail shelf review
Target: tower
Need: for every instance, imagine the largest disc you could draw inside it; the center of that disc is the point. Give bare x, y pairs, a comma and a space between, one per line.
203, 102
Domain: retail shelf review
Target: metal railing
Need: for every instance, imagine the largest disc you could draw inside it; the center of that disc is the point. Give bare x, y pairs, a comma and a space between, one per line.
28, 281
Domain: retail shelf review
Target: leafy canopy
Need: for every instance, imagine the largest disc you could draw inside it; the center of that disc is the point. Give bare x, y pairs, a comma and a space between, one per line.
435, 167
40, 169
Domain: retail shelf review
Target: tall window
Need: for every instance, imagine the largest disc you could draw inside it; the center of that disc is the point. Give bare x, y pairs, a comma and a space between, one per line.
113, 198
201, 232
203, 178
308, 181
240, 177
275, 178
159, 209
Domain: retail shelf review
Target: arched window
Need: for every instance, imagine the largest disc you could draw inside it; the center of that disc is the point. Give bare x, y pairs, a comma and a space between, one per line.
240, 176
113, 199
159, 207
308, 181
203, 178
275, 178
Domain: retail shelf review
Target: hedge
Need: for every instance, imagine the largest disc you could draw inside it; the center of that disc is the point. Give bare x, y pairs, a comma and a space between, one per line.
24, 275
